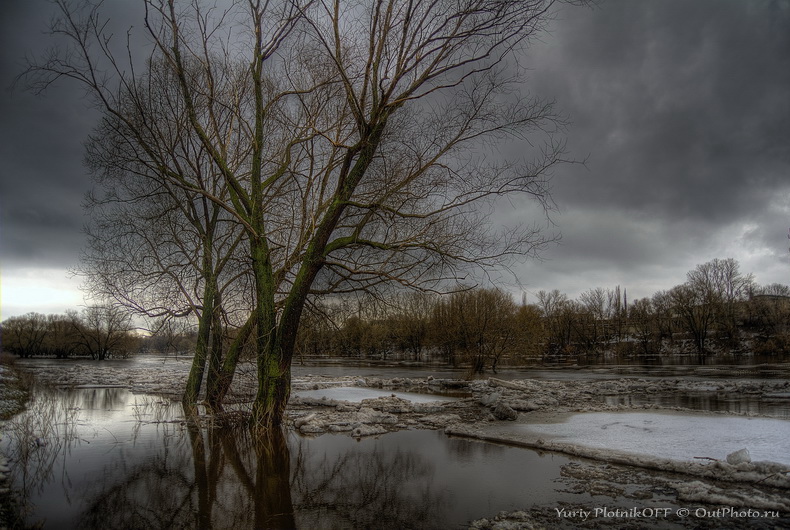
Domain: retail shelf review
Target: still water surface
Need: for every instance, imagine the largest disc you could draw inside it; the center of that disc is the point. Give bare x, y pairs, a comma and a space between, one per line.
105, 458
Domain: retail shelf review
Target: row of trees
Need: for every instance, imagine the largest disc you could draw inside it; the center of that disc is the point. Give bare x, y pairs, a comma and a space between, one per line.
717, 309
265, 154
99, 332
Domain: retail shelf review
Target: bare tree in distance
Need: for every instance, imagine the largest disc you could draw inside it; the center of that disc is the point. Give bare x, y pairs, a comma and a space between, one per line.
102, 331
355, 141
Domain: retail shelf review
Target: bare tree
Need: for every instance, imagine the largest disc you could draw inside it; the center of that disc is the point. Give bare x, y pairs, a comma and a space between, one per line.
103, 331
771, 307
599, 308
156, 245
664, 314
644, 322
481, 324
412, 313
24, 335
355, 141
61, 340
560, 321
709, 300
733, 289
530, 334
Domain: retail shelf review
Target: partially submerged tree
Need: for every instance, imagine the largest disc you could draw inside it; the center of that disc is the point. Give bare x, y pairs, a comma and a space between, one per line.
481, 324
354, 143
102, 331
24, 335
158, 244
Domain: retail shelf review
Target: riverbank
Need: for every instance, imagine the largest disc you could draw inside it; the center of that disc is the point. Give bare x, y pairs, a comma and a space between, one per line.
14, 385
14, 394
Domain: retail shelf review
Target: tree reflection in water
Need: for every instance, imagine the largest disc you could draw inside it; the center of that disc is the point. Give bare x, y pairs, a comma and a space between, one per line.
364, 488
152, 470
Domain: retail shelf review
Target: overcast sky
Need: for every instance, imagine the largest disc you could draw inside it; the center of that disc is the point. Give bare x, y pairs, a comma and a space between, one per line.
680, 107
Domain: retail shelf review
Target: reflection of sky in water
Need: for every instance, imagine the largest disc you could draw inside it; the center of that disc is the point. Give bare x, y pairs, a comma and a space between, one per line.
112, 459
100, 467
60, 446
357, 394
673, 436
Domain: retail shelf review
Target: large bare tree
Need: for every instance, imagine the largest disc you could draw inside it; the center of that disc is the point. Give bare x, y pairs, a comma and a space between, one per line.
158, 244
355, 142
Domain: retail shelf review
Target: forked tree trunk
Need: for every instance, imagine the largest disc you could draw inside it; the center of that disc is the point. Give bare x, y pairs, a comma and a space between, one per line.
217, 388
214, 360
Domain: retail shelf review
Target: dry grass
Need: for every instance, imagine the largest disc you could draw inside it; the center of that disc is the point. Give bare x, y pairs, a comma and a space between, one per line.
7, 359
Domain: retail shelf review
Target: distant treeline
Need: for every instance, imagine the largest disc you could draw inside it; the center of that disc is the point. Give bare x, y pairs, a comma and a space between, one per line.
717, 309
98, 332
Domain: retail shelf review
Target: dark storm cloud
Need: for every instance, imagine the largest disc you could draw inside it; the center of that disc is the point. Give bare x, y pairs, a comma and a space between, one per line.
682, 110
42, 181
42, 177
681, 105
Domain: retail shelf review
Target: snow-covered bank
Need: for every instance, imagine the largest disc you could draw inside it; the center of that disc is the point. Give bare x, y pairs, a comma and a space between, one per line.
571, 417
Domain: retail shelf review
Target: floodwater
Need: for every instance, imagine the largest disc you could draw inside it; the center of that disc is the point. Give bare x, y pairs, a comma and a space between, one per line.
747, 368
777, 406
105, 458
108, 458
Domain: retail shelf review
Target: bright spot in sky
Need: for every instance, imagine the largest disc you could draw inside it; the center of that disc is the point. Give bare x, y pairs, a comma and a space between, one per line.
40, 290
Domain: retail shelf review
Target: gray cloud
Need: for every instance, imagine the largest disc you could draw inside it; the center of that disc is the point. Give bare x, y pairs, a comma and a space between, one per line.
682, 107
42, 180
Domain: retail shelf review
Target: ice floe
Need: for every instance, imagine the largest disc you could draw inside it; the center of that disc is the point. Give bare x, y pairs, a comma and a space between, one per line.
357, 394
674, 436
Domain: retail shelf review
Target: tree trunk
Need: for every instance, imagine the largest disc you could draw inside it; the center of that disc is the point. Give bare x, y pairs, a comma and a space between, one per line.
217, 389
274, 389
205, 324
215, 358
195, 378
